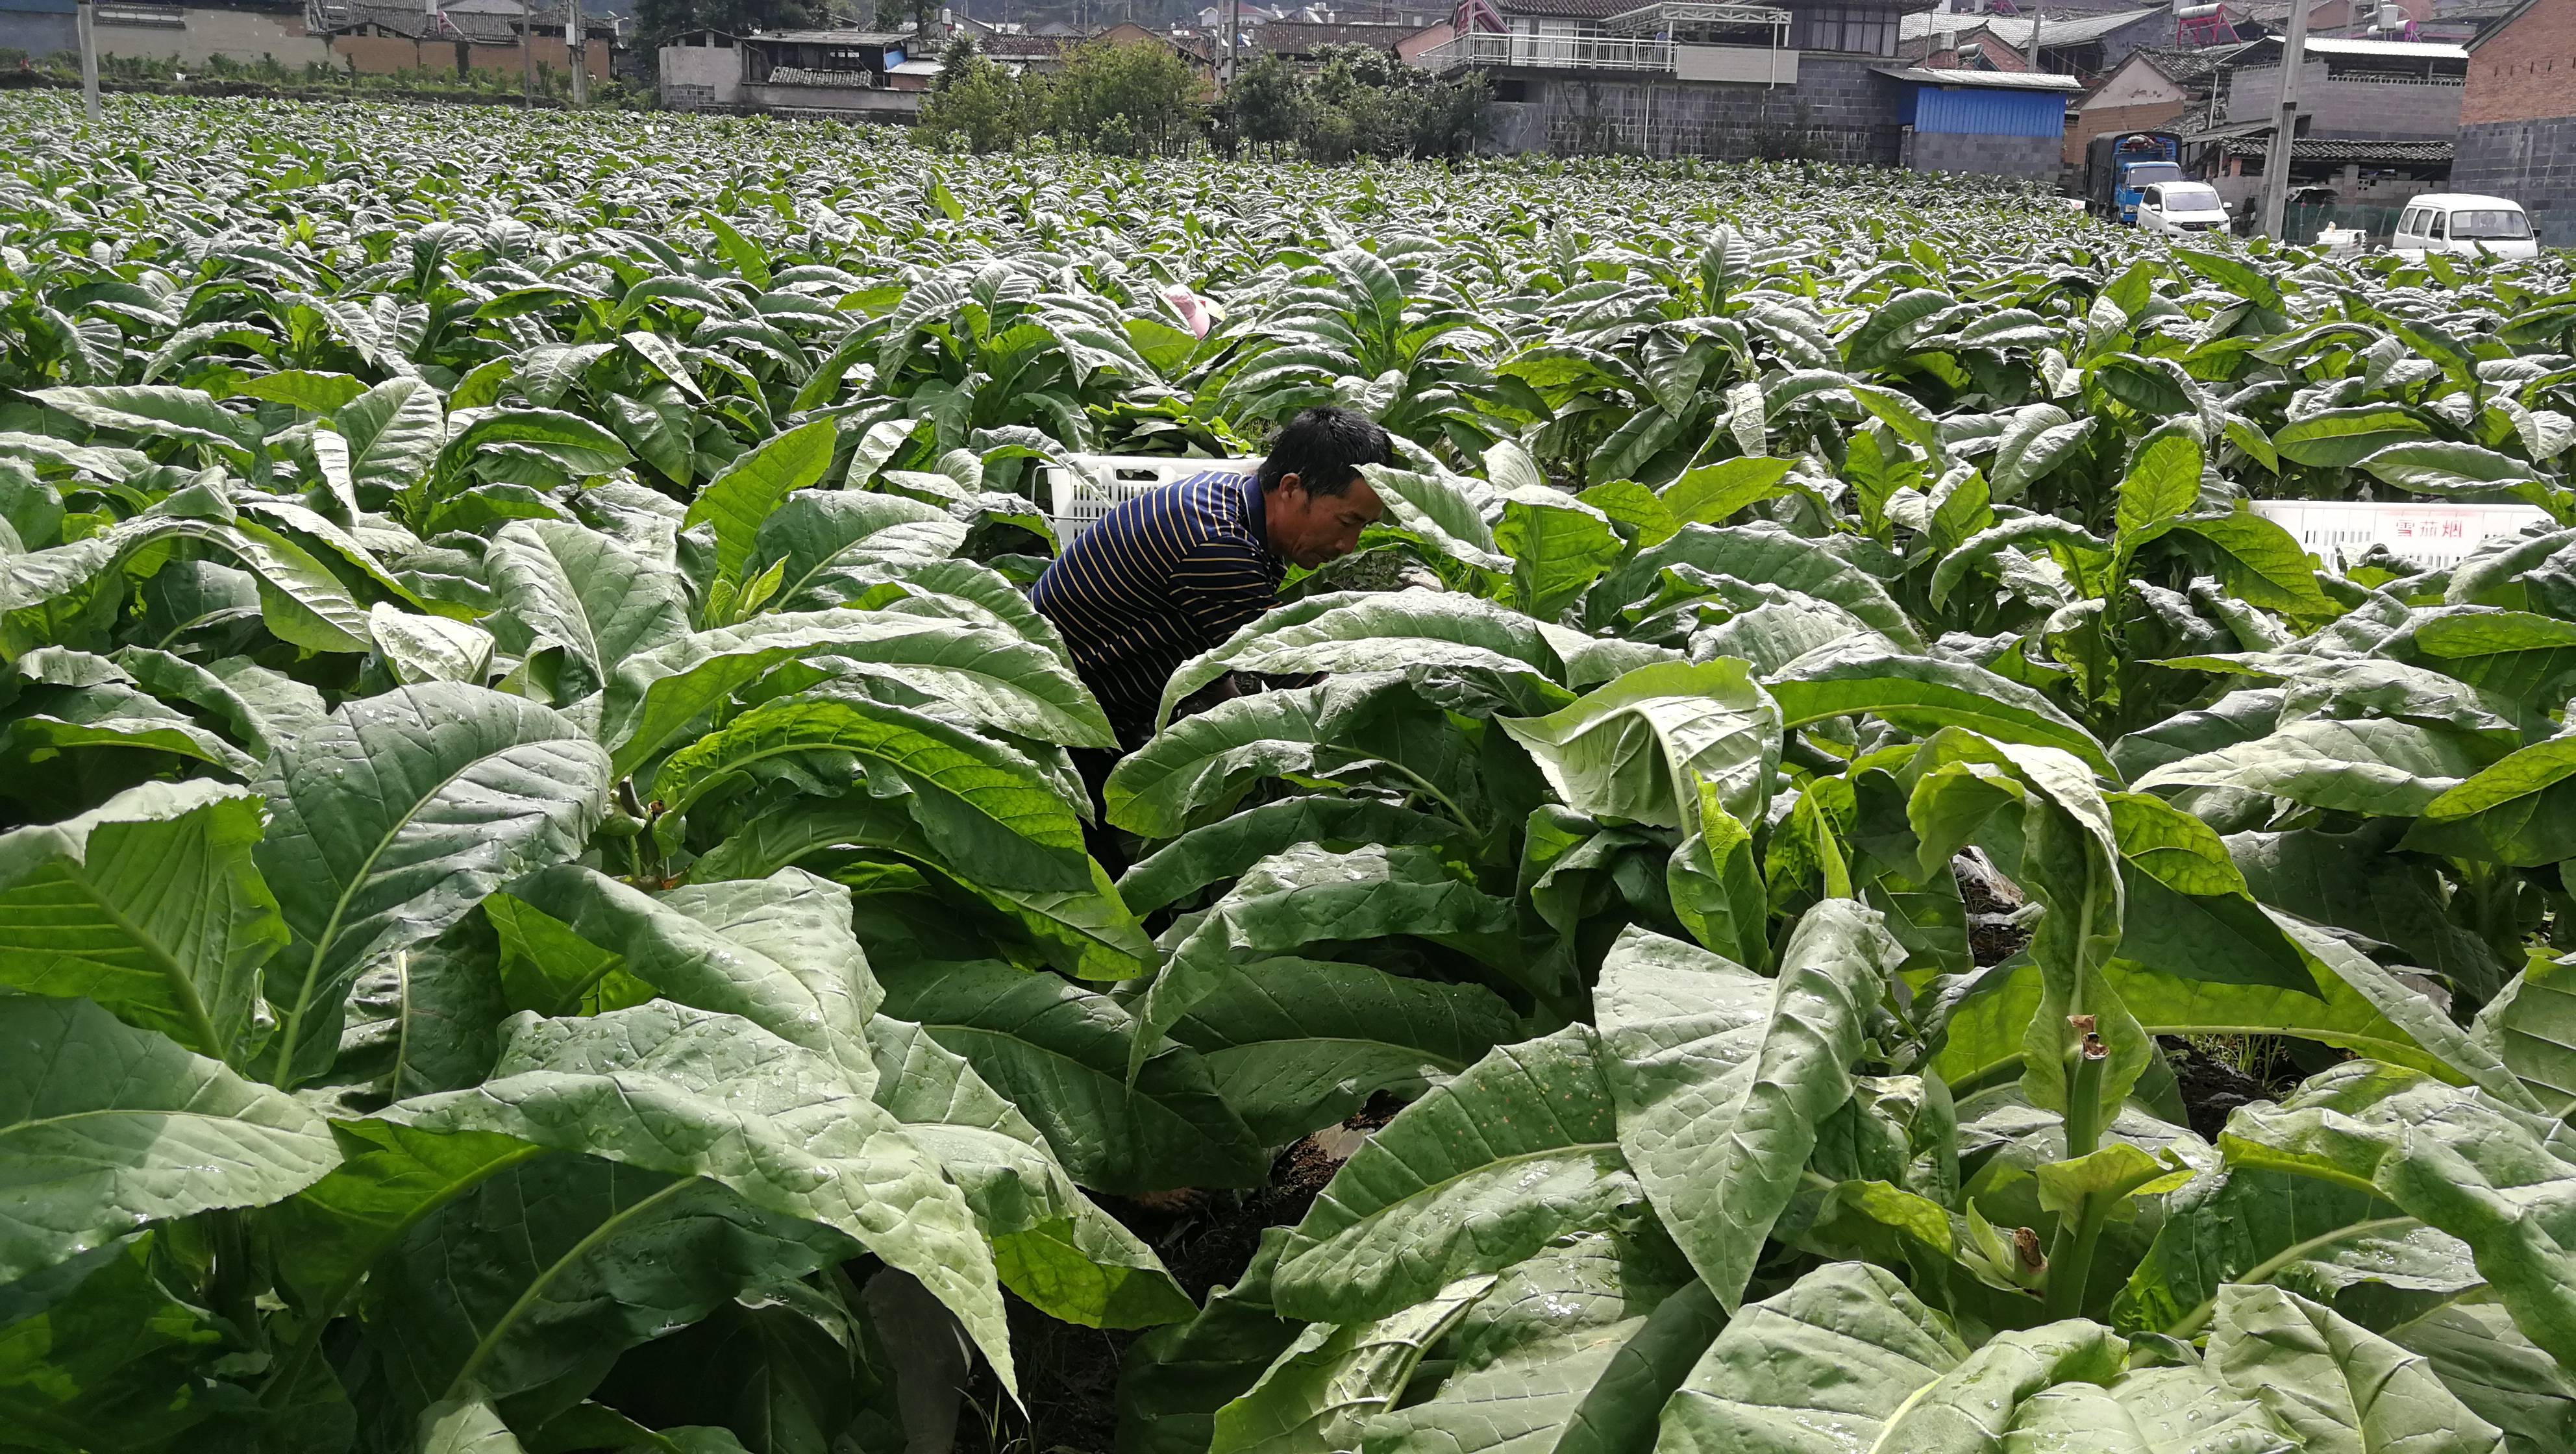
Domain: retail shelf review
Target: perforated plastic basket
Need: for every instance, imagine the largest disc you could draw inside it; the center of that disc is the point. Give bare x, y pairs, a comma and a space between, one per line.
1105, 481
2430, 533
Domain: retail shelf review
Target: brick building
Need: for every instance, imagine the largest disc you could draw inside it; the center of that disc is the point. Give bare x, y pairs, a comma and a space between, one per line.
2518, 117
462, 36
2153, 90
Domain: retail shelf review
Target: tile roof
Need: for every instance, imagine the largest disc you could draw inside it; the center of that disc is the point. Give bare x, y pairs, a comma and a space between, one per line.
2341, 149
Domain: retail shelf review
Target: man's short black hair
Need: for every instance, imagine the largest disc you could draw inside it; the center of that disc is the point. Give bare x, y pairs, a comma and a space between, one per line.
1324, 448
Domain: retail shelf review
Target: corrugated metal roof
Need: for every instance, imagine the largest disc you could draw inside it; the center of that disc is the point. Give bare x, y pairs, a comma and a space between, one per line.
1991, 80
833, 37
2014, 30
2412, 50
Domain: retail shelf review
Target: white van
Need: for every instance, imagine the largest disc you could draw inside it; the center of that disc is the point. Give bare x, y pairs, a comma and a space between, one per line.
2465, 224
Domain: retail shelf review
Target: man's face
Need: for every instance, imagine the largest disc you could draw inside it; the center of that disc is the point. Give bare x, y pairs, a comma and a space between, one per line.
1312, 529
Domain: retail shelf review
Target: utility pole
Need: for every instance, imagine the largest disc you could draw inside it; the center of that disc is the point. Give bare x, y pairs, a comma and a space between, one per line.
89, 62
2035, 14
577, 47
2285, 129
1233, 32
528, 61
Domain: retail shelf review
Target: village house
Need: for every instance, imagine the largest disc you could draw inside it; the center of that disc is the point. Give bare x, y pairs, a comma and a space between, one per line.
2518, 116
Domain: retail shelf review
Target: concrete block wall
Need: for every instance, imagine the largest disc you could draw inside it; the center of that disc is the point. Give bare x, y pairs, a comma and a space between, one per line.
2350, 108
2533, 162
1838, 111
38, 33
1990, 156
240, 35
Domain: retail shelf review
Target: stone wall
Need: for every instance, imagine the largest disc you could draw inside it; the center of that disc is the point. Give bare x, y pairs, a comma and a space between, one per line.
1838, 111
1991, 156
2533, 162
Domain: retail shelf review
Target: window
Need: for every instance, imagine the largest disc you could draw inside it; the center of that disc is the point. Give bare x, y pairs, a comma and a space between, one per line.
2490, 225
2412, 222
2155, 197
1846, 28
2436, 229
2191, 197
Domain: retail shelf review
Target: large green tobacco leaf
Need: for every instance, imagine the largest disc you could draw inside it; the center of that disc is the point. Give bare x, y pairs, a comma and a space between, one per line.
1517, 1151
989, 676
1819, 1369
739, 498
826, 540
1061, 1054
393, 820
2373, 766
104, 1128
1722, 1078
390, 1176
1361, 631
2454, 1159
1848, 1360
2319, 1238
1051, 1246
1089, 934
1923, 694
1558, 547
1223, 850
594, 598
1637, 747
1202, 765
979, 802
777, 951
1573, 1352
2484, 1359
466, 1424
2531, 1027
1315, 1398
665, 1088
2338, 1387
1761, 553
393, 431
1295, 1045
149, 906
97, 1353
544, 1273
2516, 811
1309, 896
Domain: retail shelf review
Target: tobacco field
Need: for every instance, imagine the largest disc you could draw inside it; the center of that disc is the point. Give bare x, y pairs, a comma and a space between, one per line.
1861, 899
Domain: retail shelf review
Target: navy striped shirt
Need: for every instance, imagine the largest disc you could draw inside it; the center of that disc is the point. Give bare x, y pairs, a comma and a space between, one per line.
1160, 579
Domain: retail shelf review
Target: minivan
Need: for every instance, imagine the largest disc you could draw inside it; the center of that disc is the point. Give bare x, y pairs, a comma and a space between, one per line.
2466, 224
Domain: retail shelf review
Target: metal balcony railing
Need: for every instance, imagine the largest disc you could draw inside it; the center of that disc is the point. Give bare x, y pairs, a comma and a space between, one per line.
1549, 52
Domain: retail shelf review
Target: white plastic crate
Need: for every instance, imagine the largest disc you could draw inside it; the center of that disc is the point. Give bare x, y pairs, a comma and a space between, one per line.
1104, 481
2429, 532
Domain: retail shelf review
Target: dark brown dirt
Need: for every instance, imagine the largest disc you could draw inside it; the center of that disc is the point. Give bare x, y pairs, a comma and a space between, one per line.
2212, 1087
1069, 1375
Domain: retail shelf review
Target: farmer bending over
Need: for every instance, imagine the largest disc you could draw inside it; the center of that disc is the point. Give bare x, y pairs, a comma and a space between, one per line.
1174, 572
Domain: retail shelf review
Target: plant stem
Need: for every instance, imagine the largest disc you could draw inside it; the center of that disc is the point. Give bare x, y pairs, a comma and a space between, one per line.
230, 1290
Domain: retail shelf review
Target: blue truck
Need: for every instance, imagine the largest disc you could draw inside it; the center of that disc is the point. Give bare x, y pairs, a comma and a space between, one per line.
2118, 165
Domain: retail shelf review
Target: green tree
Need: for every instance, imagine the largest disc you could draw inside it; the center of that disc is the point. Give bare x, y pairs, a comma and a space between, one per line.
1150, 87
1268, 102
658, 19
983, 104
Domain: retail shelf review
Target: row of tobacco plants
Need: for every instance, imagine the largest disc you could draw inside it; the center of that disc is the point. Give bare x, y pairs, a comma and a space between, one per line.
546, 905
